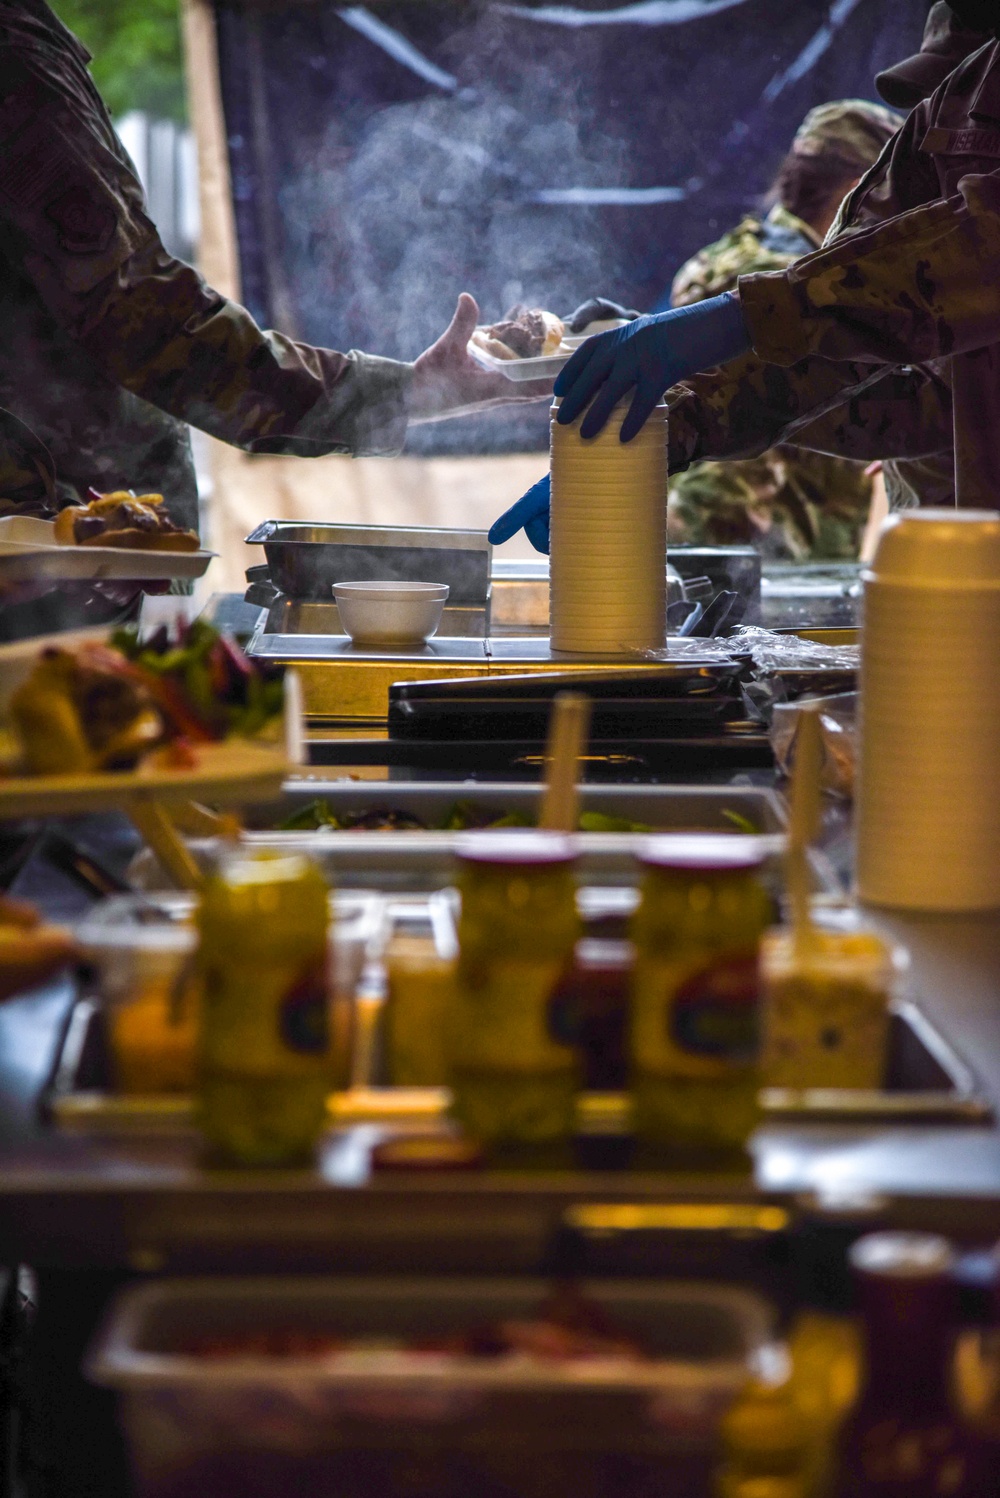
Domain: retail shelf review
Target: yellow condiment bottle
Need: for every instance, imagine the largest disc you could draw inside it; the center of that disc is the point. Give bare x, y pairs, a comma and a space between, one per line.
514, 1073
826, 1372
765, 1445
265, 1063
694, 1037
420, 974
824, 1339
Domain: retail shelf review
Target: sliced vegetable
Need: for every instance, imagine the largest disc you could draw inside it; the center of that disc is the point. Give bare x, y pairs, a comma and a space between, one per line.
740, 822
600, 821
310, 818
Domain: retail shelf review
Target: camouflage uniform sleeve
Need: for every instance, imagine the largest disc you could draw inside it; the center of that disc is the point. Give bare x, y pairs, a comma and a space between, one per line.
29, 478
905, 414
168, 337
865, 413
72, 206
914, 286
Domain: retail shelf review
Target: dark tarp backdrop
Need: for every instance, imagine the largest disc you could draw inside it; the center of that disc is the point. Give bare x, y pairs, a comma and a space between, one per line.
386, 157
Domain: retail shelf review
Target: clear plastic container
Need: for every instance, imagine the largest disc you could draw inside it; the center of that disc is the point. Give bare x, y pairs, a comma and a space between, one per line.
388, 1422
826, 1009
143, 950
139, 946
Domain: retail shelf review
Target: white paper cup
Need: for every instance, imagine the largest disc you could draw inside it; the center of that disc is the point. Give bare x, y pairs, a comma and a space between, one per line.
928, 792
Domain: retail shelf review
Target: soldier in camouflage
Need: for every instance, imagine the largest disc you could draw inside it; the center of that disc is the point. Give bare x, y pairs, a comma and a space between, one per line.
789, 503
909, 272
110, 347
882, 344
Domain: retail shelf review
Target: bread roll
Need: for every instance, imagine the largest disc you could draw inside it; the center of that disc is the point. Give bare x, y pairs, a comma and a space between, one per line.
554, 332
135, 540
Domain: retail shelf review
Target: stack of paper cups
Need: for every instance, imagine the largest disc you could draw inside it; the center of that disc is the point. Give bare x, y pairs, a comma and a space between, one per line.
928, 794
608, 538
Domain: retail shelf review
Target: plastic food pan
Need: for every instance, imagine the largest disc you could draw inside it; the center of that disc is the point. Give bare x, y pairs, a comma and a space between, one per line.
383, 1423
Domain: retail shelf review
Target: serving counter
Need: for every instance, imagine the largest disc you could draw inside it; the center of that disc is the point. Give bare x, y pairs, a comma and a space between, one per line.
89, 1212
91, 1215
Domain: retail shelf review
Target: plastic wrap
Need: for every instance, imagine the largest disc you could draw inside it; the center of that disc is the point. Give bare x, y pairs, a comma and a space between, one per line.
774, 652
838, 728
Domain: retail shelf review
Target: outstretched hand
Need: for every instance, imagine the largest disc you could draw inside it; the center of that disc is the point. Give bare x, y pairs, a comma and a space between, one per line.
448, 381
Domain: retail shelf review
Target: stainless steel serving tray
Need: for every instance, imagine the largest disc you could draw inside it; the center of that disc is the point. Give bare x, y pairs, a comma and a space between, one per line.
306, 560
926, 1081
416, 861
667, 808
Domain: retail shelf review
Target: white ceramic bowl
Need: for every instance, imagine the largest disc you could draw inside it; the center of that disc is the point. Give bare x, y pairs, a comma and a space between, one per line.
390, 613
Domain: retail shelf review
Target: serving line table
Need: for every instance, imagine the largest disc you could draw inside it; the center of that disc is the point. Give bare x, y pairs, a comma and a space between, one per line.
145, 1204
88, 1214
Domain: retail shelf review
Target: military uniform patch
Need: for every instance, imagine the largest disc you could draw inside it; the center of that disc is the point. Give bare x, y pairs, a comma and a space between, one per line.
971, 142
84, 224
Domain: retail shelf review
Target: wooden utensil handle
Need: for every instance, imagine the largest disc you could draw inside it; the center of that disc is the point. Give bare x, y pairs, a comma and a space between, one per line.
567, 742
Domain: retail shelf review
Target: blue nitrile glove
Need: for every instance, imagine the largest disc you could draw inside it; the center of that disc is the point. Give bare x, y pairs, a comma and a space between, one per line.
650, 354
531, 511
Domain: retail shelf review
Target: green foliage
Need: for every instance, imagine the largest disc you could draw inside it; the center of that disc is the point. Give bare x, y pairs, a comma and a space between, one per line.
137, 52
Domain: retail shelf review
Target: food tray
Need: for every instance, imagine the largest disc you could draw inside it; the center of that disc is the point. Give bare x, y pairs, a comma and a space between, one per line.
664, 808
233, 773
424, 861
305, 560
29, 553
926, 1081
367, 1423
541, 366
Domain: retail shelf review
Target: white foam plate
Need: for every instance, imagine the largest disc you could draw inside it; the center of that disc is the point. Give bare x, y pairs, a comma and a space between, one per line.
29, 553
545, 364
522, 369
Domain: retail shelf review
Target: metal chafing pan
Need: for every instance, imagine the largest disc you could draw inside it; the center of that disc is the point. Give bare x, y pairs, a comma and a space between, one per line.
424, 861
306, 560
669, 808
926, 1083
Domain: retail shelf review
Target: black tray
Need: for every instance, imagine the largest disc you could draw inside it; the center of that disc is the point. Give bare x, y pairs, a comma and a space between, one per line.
524, 758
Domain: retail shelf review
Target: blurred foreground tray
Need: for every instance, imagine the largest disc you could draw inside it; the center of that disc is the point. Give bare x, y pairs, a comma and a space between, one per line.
232, 772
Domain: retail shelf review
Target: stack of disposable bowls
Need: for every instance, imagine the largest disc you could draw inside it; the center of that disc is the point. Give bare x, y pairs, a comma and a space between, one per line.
928, 795
608, 547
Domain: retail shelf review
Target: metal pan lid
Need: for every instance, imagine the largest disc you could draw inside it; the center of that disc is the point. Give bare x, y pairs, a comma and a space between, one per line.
332, 533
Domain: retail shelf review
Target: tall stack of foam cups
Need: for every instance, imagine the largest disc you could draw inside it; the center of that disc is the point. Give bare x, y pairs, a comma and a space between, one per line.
928, 792
608, 564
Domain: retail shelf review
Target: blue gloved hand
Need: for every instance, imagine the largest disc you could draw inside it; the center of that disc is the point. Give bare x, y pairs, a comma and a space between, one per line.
649, 355
531, 511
